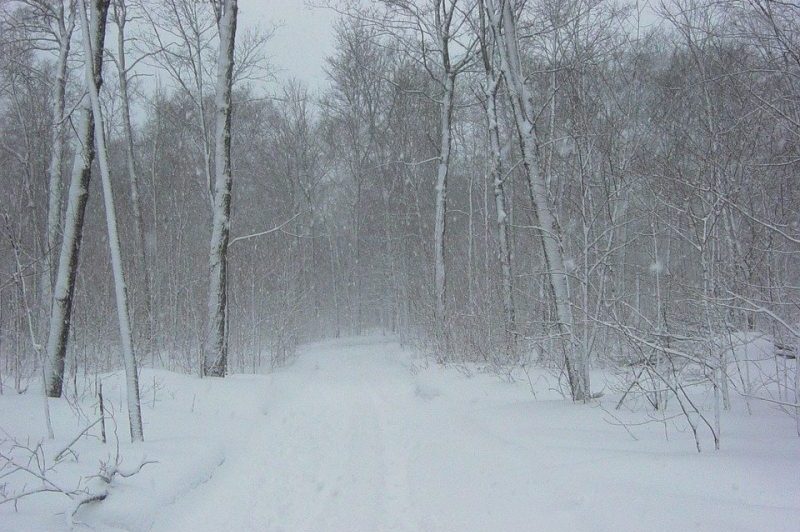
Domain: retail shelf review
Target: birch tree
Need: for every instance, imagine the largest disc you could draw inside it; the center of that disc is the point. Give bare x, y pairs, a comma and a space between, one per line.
98, 15
491, 88
501, 15
216, 348
63, 25
64, 290
448, 18
47, 26
120, 14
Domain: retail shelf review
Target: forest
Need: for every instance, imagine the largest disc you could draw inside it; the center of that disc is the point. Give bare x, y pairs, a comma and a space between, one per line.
603, 193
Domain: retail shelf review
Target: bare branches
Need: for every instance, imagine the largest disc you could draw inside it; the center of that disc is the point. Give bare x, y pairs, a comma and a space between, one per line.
264, 233
23, 460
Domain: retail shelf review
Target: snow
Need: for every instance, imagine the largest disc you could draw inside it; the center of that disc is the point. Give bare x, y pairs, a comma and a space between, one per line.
656, 267
363, 435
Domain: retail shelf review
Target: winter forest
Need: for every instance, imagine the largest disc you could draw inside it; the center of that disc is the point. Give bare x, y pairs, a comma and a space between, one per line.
512, 266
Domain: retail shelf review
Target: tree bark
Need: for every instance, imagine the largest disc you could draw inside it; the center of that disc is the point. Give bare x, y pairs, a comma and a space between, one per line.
509, 311
216, 350
498, 180
120, 288
64, 290
55, 187
440, 223
504, 28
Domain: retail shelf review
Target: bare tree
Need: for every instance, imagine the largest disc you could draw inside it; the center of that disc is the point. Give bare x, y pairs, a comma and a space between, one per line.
216, 348
98, 14
491, 90
63, 25
502, 18
64, 290
121, 17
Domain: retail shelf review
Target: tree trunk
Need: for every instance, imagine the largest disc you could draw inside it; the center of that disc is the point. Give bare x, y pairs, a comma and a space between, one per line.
509, 312
440, 224
120, 15
504, 28
64, 290
215, 353
55, 187
98, 20
496, 171
334, 284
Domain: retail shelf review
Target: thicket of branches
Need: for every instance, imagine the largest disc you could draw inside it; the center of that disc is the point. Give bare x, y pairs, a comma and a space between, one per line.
665, 142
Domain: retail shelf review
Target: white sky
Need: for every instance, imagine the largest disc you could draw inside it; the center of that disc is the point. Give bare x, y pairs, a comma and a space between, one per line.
303, 39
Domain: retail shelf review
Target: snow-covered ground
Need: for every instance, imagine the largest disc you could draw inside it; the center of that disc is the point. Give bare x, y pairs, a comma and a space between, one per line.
360, 435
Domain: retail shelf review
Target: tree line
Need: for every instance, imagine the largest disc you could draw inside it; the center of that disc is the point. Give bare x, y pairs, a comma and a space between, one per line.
578, 184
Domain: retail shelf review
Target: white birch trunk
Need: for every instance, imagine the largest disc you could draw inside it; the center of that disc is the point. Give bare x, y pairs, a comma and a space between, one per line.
509, 311
99, 11
504, 28
64, 289
498, 181
55, 187
215, 352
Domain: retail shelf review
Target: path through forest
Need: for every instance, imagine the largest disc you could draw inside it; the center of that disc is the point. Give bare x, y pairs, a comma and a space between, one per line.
330, 453
353, 437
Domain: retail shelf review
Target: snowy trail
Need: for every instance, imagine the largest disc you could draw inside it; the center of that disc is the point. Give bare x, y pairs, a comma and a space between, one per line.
349, 438
330, 453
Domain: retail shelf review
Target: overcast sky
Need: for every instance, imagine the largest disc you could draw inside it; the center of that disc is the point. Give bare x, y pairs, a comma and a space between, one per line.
303, 39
